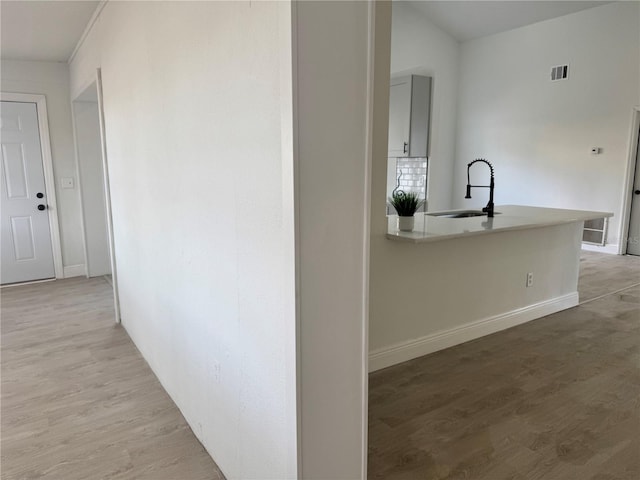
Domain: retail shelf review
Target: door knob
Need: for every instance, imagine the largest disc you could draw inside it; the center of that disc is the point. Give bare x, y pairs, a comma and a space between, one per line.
39, 194
637, 192
41, 207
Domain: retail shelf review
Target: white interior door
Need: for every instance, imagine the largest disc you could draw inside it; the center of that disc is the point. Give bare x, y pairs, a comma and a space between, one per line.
26, 250
633, 242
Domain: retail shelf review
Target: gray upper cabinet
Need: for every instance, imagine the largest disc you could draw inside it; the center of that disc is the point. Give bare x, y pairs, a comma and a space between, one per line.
409, 114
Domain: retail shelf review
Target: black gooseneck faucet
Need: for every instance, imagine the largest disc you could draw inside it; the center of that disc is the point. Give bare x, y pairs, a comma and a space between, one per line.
491, 186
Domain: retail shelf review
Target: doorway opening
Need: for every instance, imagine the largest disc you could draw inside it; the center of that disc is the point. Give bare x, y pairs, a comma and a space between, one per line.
93, 184
630, 229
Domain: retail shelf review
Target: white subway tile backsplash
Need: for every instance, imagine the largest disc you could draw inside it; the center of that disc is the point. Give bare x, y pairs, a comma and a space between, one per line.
413, 174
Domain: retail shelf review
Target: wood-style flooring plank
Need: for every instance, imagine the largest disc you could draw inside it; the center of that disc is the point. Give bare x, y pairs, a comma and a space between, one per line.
601, 274
556, 398
78, 400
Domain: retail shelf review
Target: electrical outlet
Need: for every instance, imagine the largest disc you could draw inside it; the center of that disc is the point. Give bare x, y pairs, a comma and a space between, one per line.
530, 279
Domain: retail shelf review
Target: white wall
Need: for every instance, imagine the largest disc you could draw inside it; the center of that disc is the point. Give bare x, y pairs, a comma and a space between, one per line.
418, 46
332, 72
197, 99
539, 133
90, 172
52, 80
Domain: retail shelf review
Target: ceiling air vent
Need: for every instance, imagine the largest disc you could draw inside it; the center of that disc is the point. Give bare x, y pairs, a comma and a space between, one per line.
560, 72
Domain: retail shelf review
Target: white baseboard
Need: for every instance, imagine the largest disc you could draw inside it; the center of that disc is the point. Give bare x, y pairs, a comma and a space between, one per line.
403, 351
9, 285
609, 248
74, 271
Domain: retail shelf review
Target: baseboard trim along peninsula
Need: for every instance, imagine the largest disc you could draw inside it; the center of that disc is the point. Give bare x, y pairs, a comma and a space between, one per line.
408, 350
457, 278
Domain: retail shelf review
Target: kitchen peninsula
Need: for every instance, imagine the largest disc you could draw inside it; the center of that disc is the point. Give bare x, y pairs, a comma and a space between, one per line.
452, 280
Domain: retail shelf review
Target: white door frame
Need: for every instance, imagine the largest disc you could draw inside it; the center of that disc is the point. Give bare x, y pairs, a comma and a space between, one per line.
85, 249
47, 164
107, 196
627, 188
79, 183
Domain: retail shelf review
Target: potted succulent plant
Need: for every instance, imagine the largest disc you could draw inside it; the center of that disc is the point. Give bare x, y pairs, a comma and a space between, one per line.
406, 205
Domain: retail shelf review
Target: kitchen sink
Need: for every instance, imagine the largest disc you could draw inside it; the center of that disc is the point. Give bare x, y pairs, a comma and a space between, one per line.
460, 214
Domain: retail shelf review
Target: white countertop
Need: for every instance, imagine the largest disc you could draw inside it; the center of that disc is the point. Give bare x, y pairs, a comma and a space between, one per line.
510, 217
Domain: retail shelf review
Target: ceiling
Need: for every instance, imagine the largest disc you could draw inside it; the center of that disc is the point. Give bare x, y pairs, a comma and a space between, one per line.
466, 20
49, 30
42, 30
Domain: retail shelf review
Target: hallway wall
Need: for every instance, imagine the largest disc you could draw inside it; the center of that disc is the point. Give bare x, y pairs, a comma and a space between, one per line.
197, 100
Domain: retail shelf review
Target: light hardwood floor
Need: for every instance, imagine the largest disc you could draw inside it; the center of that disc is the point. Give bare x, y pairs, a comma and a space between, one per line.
601, 274
557, 398
554, 399
78, 400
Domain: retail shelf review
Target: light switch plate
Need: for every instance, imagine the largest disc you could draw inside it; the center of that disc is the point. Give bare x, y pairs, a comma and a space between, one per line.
67, 182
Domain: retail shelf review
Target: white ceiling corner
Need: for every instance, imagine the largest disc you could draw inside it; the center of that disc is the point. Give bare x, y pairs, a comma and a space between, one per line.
42, 30
466, 20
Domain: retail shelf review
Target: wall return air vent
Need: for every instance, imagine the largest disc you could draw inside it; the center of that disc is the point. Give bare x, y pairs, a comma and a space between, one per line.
560, 72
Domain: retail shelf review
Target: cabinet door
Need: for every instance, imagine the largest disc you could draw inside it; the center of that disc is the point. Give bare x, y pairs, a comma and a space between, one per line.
399, 117
420, 112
